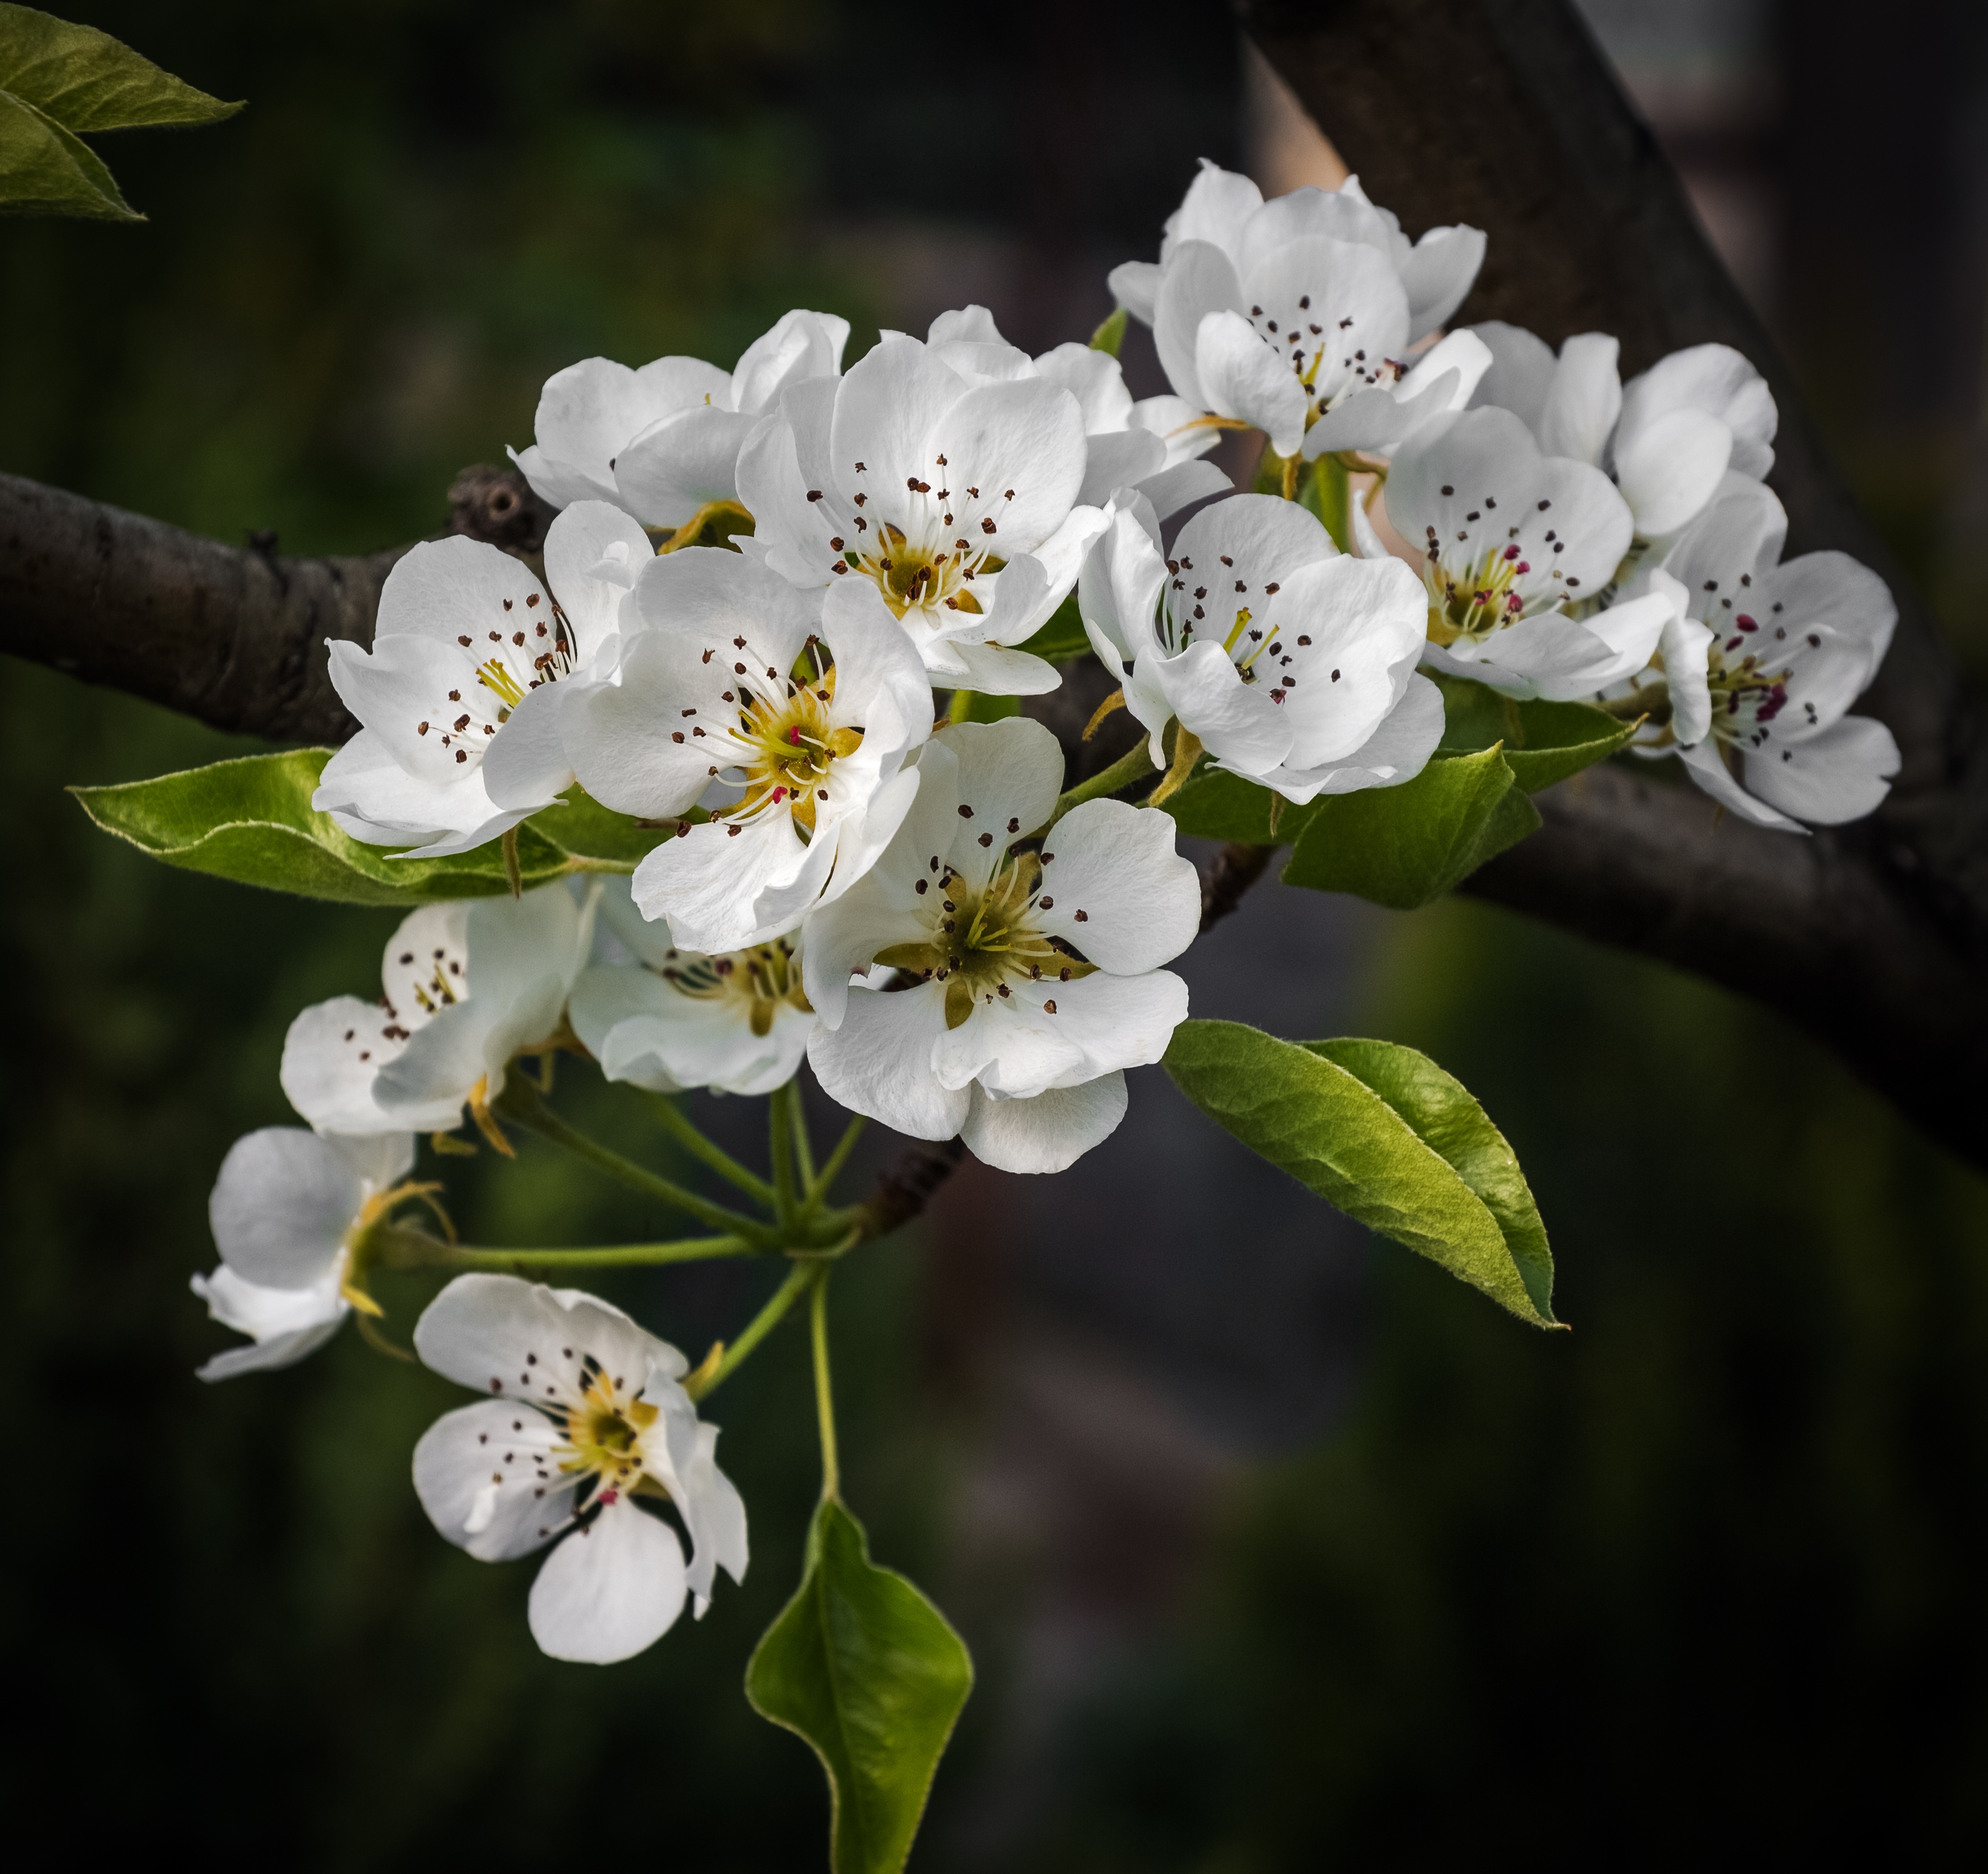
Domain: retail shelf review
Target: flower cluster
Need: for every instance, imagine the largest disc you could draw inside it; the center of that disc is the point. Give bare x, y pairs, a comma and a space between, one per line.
755, 582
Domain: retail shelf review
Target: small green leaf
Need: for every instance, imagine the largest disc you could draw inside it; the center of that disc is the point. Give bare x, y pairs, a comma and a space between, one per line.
251, 820
1544, 741
1111, 334
977, 706
88, 81
1383, 1133
1405, 846
45, 170
864, 1669
1062, 638
1217, 805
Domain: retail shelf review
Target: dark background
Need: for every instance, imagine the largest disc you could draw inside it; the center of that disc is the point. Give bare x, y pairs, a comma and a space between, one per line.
1274, 1550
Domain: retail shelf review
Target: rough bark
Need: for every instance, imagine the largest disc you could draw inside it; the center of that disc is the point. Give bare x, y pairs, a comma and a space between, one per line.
1505, 114
234, 636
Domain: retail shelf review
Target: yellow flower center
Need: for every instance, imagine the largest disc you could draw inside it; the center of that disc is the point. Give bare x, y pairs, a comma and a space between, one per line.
763, 978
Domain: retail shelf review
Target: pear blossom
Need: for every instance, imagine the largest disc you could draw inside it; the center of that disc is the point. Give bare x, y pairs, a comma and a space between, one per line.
670, 1020
954, 499
585, 1424
1669, 437
1511, 539
520, 959
1292, 663
1152, 445
335, 1050
288, 1211
1275, 313
1032, 970
807, 703
458, 737
663, 441
1759, 677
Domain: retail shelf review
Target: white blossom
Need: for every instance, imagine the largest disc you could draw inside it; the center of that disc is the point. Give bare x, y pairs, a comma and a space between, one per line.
670, 1020
731, 683
664, 441
1033, 971
1293, 664
1761, 676
955, 501
286, 1212
521, 957
335, 1050
1669, 438
1274, 313
1510, 539
457, 700
584, 1424
1152, 445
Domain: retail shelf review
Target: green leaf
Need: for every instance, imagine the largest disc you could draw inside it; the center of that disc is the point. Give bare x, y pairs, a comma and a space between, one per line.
1111, 334
86, 81
251, 820
1062, 638
45, 170
1217, 805
1544, 741
864, 1669
977, 706
1383, 1133
1405, 846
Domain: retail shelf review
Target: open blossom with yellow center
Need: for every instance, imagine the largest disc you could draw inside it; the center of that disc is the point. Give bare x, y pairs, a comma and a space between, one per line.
669, 1019
1276, 313
1508, 541
457, 700
584, 1422
954, 501
789, 717
1754, 688
1026, 970
290, 1211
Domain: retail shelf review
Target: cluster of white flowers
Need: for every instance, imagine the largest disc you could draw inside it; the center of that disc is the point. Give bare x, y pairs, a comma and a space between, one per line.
912, 904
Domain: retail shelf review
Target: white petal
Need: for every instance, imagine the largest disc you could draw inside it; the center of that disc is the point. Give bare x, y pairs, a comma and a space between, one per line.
1008, 772
497, 1334
593, 553
1022, 445
330, 1055
1135, 285
281, 1205
1048, 1133
1438, 274
611, 1589
425, 964
1521, 372
1199, 280
490, 1480
801, 345
962, 664
1116, 865
1737, 538
1584, 399
1671, 468
725, 885
1242, 377
1685, 649
1365, 620
714, 1513
1717, 379
585, 412
1185, 482
1842, 774
1219, 204
1238, 723
1120, 458
878, 1062
665, 474
1018, 1045
886, 410
287, 1323
1830, 588
526, 767
1706, 764
1094, 378
1398, 751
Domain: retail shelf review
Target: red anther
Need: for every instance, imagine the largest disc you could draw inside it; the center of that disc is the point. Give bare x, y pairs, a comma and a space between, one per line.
794, 736
780, 794
1523, 567
1512, 551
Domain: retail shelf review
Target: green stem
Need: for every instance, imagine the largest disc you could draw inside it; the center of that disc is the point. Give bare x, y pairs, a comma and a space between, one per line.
837, 1159
673, 1121
799, 1278
399, 1247
1134, 765
1332, 498
520, 1103
824, 1402
779, 1143
804, 1145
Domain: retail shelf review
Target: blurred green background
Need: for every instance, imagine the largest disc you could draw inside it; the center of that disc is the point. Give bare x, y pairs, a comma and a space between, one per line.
1704, 1575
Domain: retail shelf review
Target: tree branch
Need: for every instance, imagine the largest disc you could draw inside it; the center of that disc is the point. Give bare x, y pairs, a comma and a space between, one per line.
1505, 114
